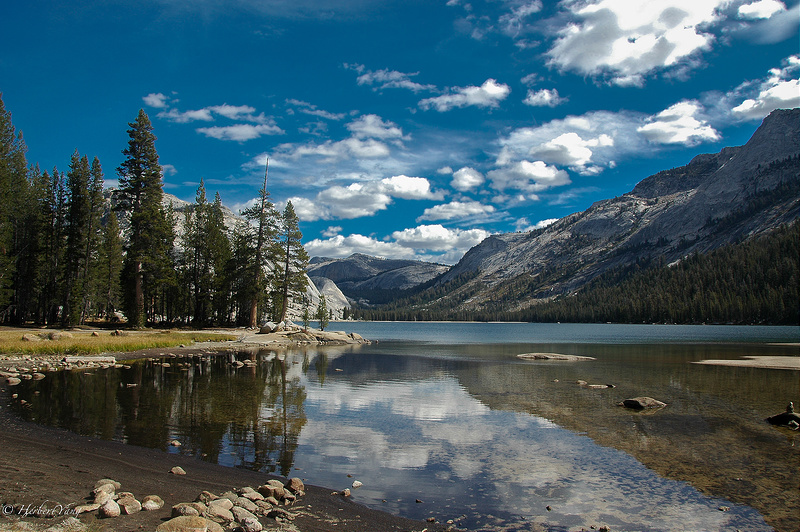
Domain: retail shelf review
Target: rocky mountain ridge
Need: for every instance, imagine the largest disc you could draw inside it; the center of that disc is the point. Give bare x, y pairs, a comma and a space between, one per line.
714, 200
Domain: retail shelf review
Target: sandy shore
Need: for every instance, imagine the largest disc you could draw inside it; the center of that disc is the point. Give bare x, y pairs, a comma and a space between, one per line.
49, 468
764, 362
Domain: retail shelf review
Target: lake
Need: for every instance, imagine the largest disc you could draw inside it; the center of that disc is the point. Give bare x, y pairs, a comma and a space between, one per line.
444, 420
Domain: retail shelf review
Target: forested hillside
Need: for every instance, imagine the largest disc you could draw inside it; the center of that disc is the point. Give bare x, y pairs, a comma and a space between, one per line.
752, 282
72, 253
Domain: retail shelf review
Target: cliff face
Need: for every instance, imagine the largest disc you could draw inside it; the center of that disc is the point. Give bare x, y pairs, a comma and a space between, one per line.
360, 274
714, 200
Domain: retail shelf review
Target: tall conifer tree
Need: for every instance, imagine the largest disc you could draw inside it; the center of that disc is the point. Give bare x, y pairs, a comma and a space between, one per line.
141, 191
290, 276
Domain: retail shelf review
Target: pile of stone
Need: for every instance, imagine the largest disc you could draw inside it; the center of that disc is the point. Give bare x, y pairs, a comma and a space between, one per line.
109, 501
241, 509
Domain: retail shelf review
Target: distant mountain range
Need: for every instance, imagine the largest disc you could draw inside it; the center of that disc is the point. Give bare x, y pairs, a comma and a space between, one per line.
714, 200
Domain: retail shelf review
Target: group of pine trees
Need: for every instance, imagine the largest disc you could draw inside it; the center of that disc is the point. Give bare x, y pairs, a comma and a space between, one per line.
70, 252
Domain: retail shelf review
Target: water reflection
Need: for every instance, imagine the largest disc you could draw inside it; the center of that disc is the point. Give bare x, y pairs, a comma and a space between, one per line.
469, 430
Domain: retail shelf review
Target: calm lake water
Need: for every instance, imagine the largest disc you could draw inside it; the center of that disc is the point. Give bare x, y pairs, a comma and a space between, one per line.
447, 414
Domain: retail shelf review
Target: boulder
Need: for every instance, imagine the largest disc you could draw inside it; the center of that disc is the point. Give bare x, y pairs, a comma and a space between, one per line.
206, 497
101, 496
104, 481
59, 335
110, 509
177, 470
217, 512
240, 513
296, 486
152, 502
247, 504
188, 508
268, 327
251, 524
789, 418
641, 403
13, 381
251, 494
188, 523
31, 338
129, 505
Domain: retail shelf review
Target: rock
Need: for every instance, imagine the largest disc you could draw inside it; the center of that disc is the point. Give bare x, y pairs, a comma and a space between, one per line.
95, 333
30, 338
231, 496
786, 419
175, 443
152, 502
38, 376
251, 494
247, 504
189, 524
117, 332
103, 481
206, 497
59, 335
268, 328
129, 505
68, 524
251, 524
296, 486
641, 403
101, 497
345, 492
189, 508
269, 490
89, 358
86, 508
110, 509
177, 470
218, 511
240, 513
273, 501
225, 504
13, 381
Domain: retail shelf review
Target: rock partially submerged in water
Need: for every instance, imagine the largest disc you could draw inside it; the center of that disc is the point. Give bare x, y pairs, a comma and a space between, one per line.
789, 418
642, 403
552, 356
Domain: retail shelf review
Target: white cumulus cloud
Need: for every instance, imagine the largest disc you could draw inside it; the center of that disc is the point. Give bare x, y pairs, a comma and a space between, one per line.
358, 200
240, 132
439, 238
679, 124
156, 99
456, 210
776, 92
490, 94
467, 178
570, 149
527, 176
761, 9
543, 98
624, 42
373, 126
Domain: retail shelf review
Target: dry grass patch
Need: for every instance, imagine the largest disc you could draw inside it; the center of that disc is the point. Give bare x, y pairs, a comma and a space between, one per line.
82, 342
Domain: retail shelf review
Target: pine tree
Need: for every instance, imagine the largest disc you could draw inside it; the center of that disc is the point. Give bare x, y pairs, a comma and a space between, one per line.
141, 191
291, 277
322, 313
262, 216
78, 214
110, 267
13, 191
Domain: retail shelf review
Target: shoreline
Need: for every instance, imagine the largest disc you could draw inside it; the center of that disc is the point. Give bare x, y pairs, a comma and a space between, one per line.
52, 468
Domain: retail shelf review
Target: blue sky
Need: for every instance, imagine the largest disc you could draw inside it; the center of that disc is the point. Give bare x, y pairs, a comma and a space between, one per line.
400, 128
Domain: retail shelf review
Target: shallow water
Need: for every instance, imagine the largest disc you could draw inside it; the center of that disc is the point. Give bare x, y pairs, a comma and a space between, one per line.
448, 415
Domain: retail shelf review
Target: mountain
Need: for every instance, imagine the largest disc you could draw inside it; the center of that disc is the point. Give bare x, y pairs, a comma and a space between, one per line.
714, 200
373, 279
